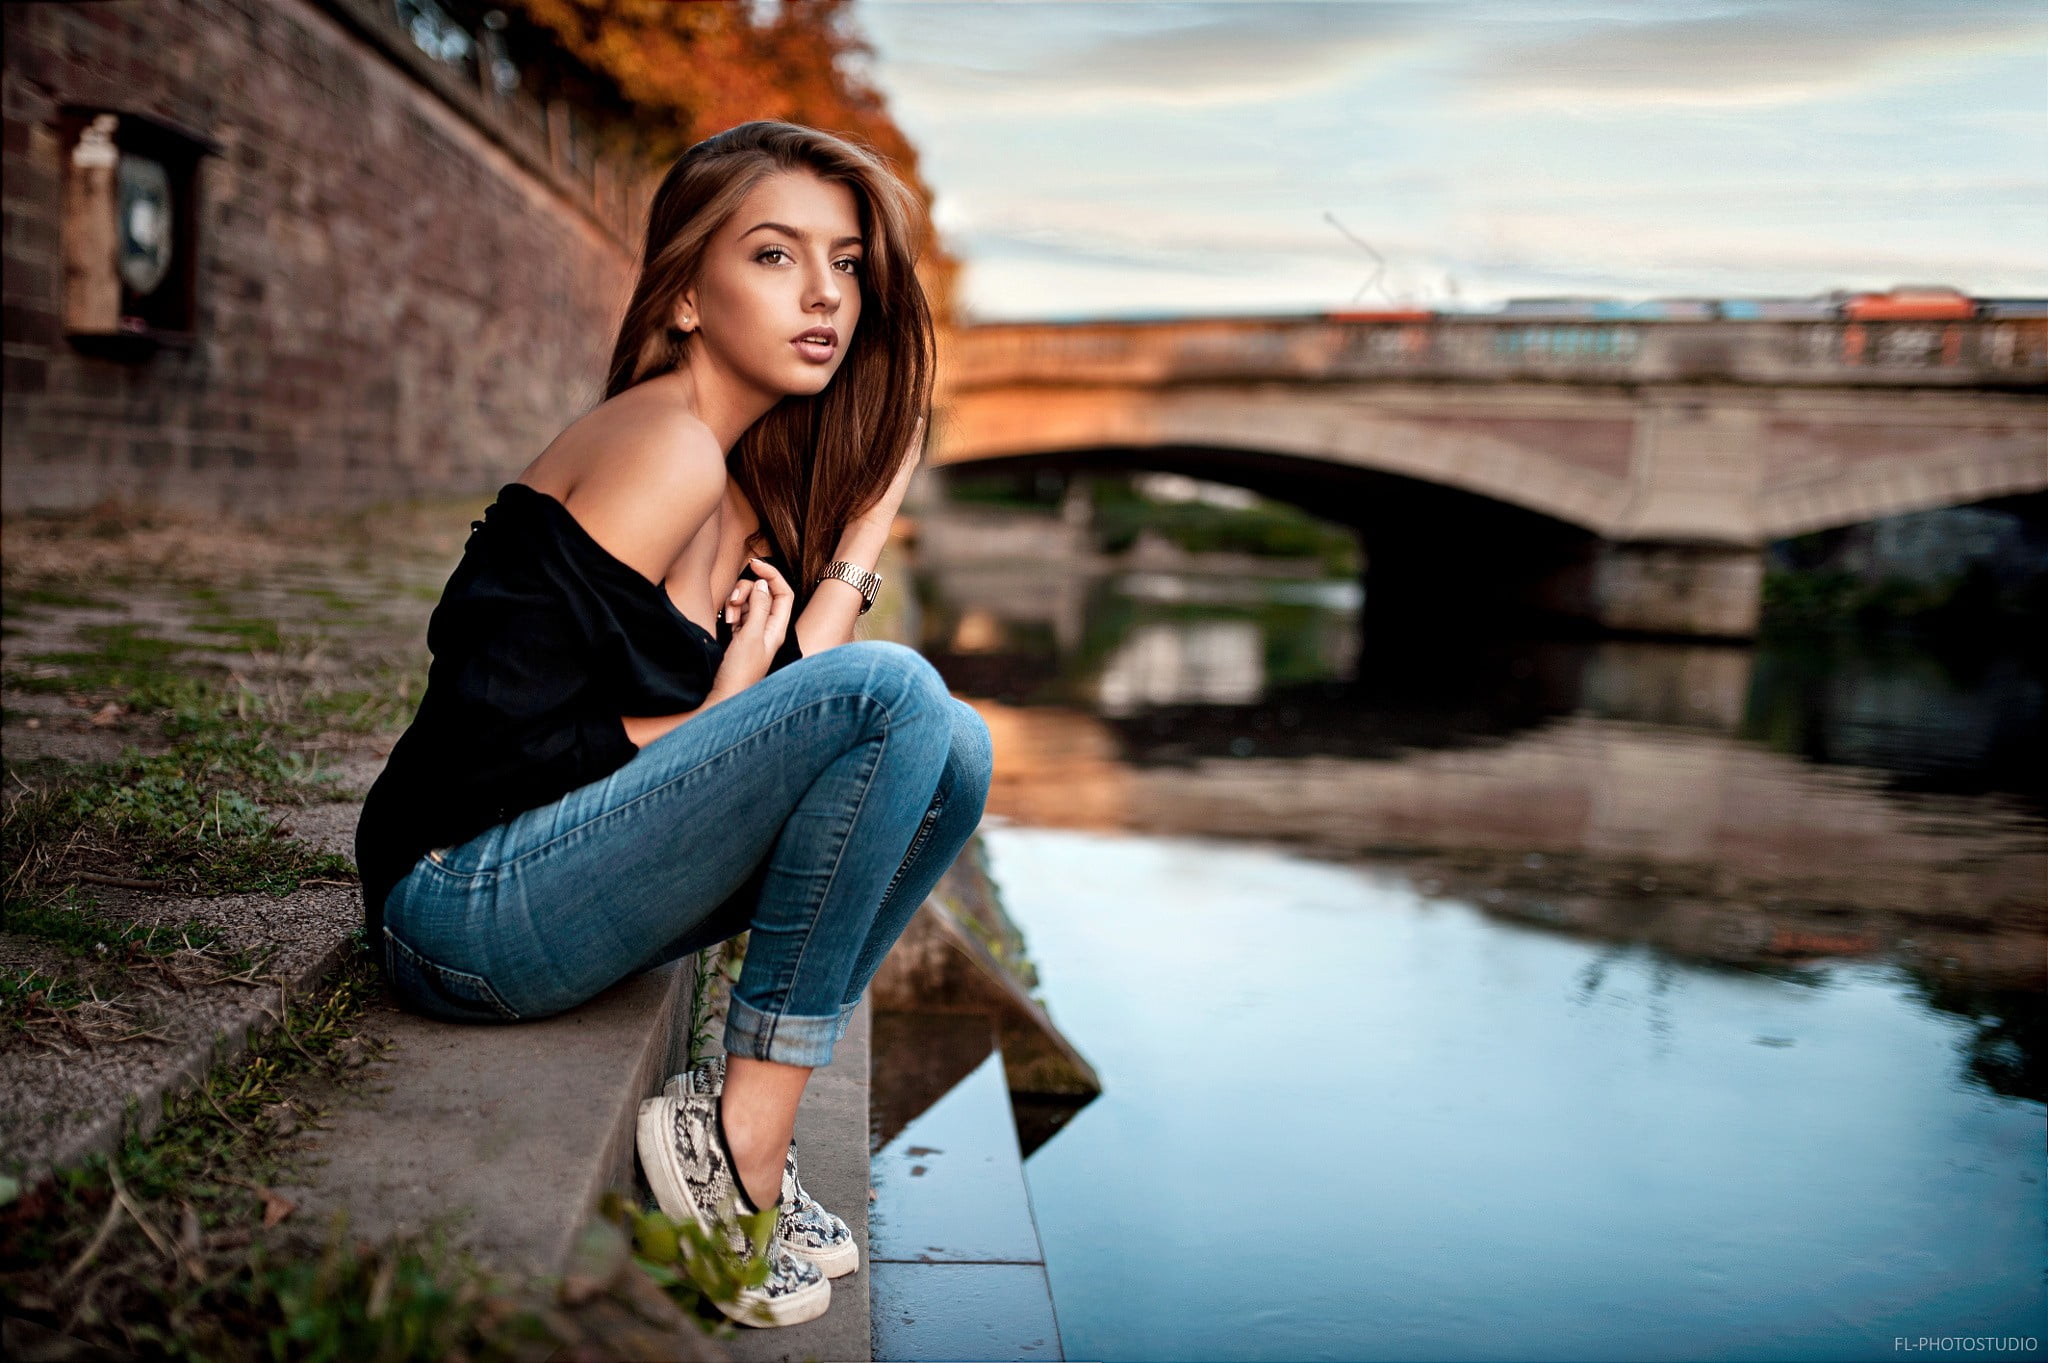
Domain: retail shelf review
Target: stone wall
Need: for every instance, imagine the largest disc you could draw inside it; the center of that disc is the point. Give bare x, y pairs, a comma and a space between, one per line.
387, 301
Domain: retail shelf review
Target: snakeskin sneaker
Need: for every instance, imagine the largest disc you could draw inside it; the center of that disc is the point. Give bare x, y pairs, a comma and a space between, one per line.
690, 1168
803, 1226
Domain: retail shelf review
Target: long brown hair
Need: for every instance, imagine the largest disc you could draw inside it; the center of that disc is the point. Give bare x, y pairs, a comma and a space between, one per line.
856, 429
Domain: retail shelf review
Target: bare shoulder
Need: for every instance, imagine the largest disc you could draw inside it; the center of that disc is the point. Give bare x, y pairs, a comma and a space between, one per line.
654, 478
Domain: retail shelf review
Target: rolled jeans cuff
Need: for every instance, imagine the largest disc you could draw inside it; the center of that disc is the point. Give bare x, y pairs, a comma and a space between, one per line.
783, 1038
845, 1019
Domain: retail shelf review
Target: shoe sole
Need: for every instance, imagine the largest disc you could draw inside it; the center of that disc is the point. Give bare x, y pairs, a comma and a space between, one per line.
835, 1263
654, 1136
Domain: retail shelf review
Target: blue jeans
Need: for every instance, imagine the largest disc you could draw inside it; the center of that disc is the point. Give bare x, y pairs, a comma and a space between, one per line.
815, 811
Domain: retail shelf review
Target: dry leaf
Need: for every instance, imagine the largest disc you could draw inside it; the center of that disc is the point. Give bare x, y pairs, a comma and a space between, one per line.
276, 1207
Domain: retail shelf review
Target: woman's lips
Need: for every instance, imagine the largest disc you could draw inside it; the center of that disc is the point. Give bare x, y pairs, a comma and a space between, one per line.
817, 352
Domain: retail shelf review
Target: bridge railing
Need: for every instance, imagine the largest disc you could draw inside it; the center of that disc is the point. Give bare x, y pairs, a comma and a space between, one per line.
1970, 354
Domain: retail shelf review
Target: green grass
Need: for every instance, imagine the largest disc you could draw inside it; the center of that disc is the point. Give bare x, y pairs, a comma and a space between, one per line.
248, 634
192, 820
191, 1265
207, 1278
123, 659
329, 598
44, 594
24, 990
202, 1260
1268, 529
73, 924
188, 820
101, 957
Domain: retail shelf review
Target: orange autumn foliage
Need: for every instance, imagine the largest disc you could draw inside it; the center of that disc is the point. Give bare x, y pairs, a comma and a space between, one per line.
690, 68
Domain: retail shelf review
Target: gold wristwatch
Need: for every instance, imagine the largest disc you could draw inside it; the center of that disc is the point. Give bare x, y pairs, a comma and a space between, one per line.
868, 582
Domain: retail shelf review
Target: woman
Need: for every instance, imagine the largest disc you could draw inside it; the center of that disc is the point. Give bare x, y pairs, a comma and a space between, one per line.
609, 771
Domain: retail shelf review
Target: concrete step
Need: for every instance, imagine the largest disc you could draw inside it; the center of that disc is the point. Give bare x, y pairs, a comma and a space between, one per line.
516, 1132
60, 1104
958, 1269
57, 1107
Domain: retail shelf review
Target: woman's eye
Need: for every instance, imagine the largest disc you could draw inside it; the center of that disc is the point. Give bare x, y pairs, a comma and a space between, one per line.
843, 260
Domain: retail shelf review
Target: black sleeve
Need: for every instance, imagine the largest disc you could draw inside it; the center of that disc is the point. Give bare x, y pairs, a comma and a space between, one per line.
789, 652
523, 655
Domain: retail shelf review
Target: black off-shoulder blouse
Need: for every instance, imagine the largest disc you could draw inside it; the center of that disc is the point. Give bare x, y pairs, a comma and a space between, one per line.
542, 641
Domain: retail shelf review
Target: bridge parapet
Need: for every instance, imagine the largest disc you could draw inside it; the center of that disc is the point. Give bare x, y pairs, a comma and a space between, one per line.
1997, 354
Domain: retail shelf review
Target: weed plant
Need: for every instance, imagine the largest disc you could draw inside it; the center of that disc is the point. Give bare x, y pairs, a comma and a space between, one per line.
696, 1267
177, 1246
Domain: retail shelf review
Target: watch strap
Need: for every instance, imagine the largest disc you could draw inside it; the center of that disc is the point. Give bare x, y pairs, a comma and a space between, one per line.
867, 582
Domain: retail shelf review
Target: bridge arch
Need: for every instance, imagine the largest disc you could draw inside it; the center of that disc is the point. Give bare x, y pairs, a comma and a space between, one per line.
1651, 480
1298, 448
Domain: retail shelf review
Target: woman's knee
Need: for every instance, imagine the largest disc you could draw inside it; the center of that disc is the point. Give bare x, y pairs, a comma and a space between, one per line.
895, 674
971, 762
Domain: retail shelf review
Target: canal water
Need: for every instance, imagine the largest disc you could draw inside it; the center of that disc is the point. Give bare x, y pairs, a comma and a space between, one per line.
1463, 998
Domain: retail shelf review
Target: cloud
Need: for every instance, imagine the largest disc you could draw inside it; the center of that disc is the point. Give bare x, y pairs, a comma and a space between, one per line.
1447, 133
1031, 56
1775, 52
1619, 249
1157, 237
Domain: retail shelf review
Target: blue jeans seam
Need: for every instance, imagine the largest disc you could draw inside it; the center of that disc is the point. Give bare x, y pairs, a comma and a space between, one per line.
810, 930
465, 879
691, 770
426, 965
917, 842
916, 849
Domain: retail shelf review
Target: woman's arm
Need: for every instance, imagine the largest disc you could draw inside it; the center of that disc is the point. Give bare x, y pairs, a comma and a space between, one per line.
644, 729
827, 621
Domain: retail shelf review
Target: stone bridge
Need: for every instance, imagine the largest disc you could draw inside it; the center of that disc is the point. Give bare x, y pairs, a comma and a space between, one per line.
1627, 473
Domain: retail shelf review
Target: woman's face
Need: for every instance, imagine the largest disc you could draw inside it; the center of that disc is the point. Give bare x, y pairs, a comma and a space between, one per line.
787, 263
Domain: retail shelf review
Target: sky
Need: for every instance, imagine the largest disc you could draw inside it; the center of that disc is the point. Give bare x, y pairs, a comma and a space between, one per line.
1158, 159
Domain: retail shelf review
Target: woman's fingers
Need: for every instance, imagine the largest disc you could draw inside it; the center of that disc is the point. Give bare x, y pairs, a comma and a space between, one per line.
753, 607
781, 597
762, 606
767, 572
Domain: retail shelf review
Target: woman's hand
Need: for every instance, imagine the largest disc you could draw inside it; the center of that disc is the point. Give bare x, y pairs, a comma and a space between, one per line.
759, 613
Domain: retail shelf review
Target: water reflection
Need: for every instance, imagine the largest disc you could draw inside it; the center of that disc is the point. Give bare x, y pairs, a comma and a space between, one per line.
1969, 723
1344, 1118
1621, 999
1734, 804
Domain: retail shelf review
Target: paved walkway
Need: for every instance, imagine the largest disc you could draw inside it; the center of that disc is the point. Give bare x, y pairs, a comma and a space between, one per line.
320, 625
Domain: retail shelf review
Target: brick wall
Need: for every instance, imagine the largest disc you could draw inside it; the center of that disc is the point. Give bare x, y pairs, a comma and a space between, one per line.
387, 302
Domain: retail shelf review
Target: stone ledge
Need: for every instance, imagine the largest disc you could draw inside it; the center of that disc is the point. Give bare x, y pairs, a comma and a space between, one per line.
41, 1133
513, 1131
